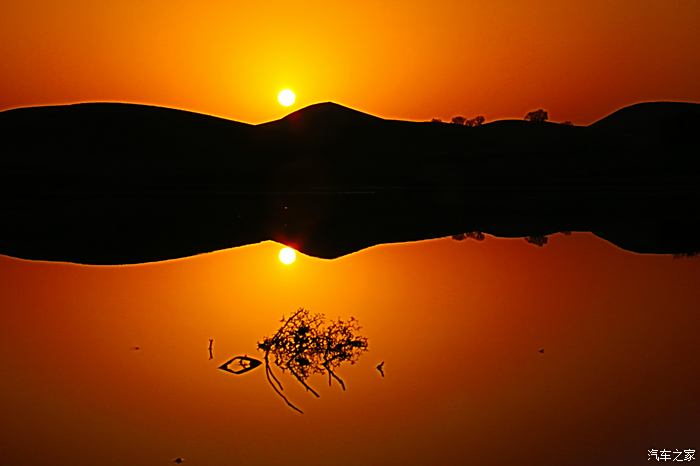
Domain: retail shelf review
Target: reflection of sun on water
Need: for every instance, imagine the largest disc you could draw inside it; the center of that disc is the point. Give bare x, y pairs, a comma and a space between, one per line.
287, 255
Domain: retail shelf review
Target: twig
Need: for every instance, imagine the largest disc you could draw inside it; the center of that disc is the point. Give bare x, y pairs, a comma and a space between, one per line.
301, 381
338, 379
274, 377
270, 377
267, 372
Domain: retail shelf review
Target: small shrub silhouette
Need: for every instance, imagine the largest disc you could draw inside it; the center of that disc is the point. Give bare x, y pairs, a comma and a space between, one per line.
477, 235
537, 116
538, 240
476, 121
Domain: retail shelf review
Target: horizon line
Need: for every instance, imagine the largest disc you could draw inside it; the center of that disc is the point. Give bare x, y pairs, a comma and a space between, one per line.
313, 104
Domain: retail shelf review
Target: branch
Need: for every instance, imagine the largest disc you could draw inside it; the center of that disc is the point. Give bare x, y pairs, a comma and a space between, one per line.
268, 368
268, 371
338, 379
299, 311
301, 381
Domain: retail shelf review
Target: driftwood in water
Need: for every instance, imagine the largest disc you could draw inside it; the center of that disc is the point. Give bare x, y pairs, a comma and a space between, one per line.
244, 363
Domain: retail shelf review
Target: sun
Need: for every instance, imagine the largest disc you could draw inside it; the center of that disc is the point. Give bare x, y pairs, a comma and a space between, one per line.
286, 97
287, 255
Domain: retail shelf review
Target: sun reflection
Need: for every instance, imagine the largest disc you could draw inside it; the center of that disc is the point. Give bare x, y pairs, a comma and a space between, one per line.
287, 255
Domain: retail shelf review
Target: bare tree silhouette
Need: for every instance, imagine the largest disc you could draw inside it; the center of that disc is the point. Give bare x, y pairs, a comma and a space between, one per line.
306, 344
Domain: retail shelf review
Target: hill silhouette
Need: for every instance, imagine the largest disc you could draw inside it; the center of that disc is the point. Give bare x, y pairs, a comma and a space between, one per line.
108, 183
646, 116
326, 113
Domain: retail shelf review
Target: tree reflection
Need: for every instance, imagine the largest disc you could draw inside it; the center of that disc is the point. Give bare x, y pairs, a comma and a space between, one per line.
307, 344
537, 240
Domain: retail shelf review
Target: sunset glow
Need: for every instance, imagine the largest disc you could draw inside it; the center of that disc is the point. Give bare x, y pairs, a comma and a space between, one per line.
578, 60
211, 210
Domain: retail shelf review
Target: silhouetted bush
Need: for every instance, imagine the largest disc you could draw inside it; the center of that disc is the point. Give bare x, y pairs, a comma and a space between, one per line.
567, 123
537, 116
436, 120
476, 121
538, 240
471, 122
477, 235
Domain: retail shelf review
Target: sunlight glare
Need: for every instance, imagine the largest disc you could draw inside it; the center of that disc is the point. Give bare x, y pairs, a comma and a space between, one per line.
287, 255
286, 97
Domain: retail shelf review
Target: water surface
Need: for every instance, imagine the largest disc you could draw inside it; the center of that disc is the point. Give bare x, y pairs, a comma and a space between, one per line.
458, 324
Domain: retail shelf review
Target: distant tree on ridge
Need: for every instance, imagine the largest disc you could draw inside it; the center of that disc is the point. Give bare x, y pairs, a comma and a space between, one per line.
476, 121
537, 116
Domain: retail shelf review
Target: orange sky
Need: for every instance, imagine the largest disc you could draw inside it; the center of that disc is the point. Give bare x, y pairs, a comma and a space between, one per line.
400, 59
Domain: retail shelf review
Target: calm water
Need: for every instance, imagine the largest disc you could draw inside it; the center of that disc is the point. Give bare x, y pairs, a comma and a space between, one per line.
458, 324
